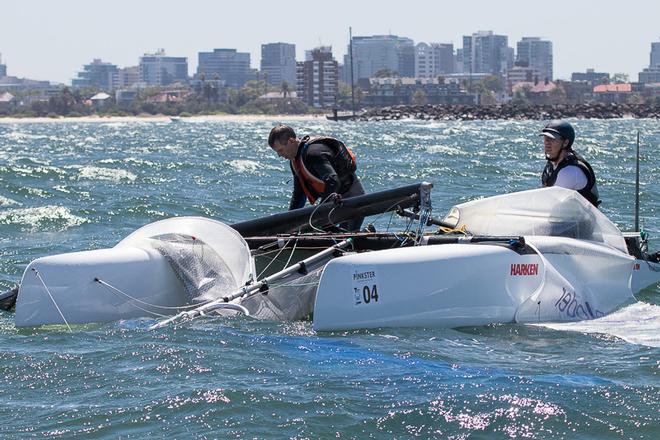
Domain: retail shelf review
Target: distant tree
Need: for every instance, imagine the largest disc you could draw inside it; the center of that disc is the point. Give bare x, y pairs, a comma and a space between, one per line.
441, 79
620, 78
557, 95
210, 92
386, 73
487, 97
344, 96
492, 83
521, 95
418, 98
285, 89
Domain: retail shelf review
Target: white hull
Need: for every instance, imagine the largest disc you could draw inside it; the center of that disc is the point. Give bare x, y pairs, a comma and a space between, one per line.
428, 286
645, 274
131, 280
457, 285
142, 281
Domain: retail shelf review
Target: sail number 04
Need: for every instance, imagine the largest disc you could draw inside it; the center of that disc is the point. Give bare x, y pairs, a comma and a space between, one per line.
369, 294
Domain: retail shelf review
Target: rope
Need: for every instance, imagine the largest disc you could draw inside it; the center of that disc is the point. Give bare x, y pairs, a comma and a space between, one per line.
274, 258
38, 275
311, 216
155, 306
389, 209
446, 230
293, 249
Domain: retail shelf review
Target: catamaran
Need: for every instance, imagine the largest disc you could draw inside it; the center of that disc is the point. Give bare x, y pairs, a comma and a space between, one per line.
543, 255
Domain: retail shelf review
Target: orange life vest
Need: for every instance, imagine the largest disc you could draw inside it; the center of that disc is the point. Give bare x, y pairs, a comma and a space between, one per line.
311, 185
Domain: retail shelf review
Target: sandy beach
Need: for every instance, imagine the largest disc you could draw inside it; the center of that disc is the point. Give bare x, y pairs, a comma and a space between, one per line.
159, 118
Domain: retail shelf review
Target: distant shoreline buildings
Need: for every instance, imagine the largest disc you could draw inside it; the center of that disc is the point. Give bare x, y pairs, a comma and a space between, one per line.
387, 68
3, 68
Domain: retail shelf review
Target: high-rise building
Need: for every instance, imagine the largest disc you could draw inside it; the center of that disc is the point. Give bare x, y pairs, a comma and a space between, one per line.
227, 65
128, 77
655, 54
98, 74
434, 59
318, 78
3, 68
160, 70
378, 53
518, 74
278, 63
535, 53
484, 52
458, 61
652, 73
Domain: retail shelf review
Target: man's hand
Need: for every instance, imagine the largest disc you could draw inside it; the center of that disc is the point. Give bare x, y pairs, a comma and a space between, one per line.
336, 198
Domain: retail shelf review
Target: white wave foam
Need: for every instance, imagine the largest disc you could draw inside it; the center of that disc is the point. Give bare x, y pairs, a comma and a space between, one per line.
21, 136
248, 166
4, 201
99, 173
452, 151
638, 323
41, 216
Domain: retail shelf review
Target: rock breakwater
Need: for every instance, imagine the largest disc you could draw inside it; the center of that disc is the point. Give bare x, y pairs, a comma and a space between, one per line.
511, 111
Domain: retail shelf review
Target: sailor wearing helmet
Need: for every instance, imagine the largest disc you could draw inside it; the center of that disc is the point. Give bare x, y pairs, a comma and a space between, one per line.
565, 167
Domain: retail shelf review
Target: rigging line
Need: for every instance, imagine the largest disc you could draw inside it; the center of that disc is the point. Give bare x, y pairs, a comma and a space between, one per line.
389, 208
155, 306
423, 220
292, 284
318, 247
264, 249
274, 258
331, 222
311, 216
295, 243
409, 223
38, 275
148, 312
387, 229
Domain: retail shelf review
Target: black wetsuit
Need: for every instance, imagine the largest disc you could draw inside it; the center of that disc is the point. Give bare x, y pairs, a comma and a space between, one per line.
323, 162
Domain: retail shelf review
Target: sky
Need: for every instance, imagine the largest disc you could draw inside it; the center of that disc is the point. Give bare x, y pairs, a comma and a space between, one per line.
53, 39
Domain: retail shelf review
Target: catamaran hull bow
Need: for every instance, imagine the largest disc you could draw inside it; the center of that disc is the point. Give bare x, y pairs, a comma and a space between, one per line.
551, 279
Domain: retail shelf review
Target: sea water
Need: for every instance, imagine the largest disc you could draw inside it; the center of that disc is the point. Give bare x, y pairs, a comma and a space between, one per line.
69, 186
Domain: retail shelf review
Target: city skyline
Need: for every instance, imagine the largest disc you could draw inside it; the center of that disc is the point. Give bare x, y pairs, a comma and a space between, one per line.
53, 40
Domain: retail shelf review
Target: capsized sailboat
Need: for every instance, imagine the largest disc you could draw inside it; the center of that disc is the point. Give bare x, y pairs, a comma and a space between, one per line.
179, 264
543, 255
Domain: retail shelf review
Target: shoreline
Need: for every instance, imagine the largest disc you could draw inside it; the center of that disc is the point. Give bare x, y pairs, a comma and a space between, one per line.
157, 118
507, 111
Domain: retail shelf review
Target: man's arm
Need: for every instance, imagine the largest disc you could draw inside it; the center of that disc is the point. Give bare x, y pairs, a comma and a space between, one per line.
571, 177
318, 159
298, 198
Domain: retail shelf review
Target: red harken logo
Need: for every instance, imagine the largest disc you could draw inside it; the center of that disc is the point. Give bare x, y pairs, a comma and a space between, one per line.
524, 269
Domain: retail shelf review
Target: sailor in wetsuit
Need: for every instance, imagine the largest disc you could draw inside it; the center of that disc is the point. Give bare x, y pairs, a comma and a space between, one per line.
322, 166
565, 167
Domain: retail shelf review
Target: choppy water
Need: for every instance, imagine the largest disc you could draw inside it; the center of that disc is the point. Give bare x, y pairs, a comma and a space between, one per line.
76, 186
